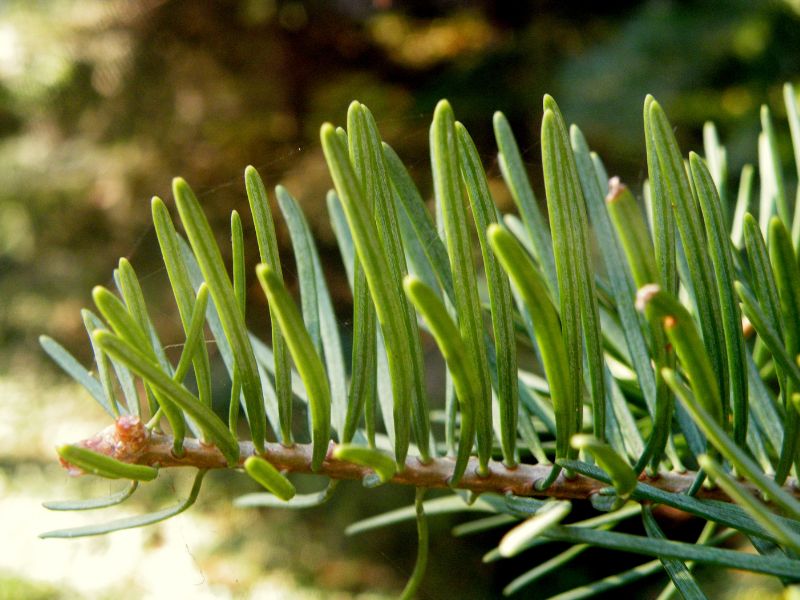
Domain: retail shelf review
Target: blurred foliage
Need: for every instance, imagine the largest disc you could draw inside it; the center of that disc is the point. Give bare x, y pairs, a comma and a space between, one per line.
714, 60
102, 102
13, 587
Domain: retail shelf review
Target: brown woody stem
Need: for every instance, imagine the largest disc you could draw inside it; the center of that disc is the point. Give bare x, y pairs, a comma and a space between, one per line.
436, 473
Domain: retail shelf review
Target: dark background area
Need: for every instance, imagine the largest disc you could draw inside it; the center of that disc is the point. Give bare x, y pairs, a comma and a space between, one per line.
103, 102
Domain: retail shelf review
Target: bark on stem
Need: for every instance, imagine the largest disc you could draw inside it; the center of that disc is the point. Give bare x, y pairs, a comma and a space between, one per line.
520, 481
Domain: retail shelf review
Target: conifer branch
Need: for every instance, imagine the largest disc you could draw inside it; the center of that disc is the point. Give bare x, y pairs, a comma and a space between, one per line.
156, 450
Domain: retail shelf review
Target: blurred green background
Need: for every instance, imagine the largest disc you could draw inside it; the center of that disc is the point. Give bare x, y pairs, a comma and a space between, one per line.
102, 102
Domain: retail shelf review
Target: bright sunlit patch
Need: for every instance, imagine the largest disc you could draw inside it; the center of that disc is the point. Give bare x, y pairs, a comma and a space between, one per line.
11, 55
